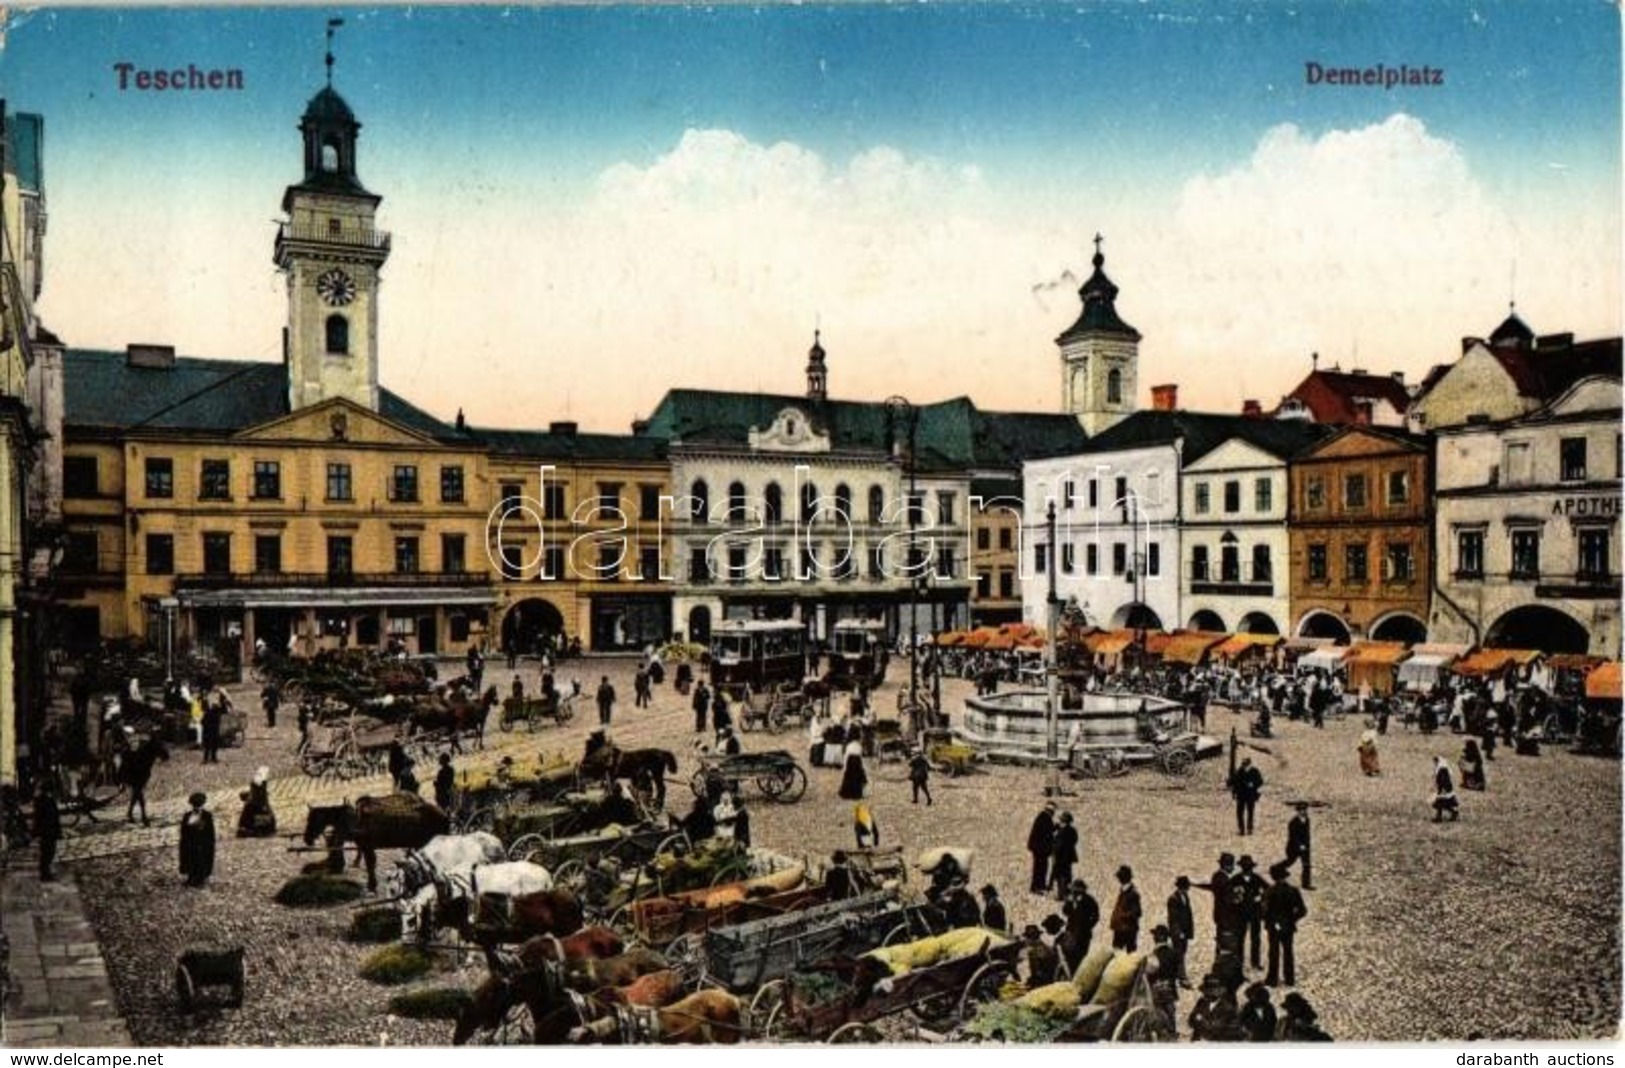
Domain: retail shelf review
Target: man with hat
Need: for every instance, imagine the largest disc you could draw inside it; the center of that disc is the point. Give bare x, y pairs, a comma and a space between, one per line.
1082, 912
1298, 1022
1040, 843
197, 842
1125, 921
959, 906
1226, 917
1297, 841
993, 915
1283, 909
1247, 890
1042, 960
1257, 1017
1246, 784
1063, 855
1165, 976
838, 877
1181, 925
47, 828
1214, 1019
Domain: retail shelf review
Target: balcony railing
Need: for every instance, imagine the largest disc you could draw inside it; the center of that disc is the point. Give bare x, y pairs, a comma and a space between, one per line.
349, 236
339, 579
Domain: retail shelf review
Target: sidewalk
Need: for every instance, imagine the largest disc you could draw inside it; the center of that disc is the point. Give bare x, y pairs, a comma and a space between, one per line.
60, 993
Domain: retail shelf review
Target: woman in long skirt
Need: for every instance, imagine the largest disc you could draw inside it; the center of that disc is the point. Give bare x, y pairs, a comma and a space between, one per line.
1368, 753
854, 778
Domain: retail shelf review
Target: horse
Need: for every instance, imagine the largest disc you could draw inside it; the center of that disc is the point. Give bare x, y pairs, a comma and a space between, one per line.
589, 975
586, 944
456, 714
135, 771
375, 823
704, 1017
555, 1011
605, 760
441, 885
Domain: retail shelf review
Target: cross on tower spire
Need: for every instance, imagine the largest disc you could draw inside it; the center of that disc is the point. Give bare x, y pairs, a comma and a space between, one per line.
332, 24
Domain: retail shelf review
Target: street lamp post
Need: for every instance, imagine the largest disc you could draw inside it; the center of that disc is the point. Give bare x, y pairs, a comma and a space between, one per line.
899, 409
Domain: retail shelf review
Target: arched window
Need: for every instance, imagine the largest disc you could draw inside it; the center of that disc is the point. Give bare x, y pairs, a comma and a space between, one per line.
1114, 386
843, 500
877, 504
338, 335
809, 502
773, 501
736, 502
701, 501
330, 155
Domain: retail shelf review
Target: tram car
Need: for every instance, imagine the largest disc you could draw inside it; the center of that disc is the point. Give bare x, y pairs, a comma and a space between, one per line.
758, 654
858, 654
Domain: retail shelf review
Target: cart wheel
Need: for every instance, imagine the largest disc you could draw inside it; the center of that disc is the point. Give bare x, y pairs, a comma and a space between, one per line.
786, 786
855, 1033
765, 1006
679, 839
686, 954
620, 921
566, 712
506, 722
898, 935
185, 989
483, 819
524, 845
1141, 1024
1177, 762
983, 987
773, 1028
729, 873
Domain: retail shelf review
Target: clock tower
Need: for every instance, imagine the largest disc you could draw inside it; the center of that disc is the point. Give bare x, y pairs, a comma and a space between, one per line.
1100, 356
330, 252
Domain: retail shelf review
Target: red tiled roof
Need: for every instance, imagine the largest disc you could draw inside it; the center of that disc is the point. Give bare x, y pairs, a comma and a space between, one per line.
1330, 395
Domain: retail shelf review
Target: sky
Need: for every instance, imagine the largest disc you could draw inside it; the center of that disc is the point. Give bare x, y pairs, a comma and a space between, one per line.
591, 205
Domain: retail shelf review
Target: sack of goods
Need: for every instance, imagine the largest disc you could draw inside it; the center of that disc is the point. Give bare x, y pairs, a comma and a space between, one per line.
932, 859
1058, 1001
1090, 969
1118, 979
927, 952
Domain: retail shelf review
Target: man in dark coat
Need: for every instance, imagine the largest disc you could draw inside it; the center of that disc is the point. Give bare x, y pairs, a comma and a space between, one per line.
1040, 843
1125, 921
1245, 786
702, 705
1247, 890
721, 718
1258, 1015
606, 701
270, 700
1082, 912
47, 829
993, 914
1226, 917
1181, 925
1041, 959
197, 842
445, 783
1063, 855
1164, 976
214, 712
919, 777
838, 878
960, 907
1297, 842
1283, 910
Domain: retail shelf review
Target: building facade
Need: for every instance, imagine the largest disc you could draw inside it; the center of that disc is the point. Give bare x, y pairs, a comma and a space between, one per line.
1527, 524
1360, 529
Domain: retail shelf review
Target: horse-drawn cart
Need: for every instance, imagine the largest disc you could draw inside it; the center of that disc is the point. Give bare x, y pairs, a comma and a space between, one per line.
775, 773
776, 709
529, 712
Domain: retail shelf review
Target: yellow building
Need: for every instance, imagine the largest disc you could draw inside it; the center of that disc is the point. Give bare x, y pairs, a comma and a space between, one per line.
301, 505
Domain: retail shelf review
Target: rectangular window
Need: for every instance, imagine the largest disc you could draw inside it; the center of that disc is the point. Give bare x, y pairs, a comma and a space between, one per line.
1573, 455
552, 501
217, 554
1354, 564
1203, 498
340, 555
1068, 491
649, 563
1006, 535
1199, 568
406, 555
1153, 558
1398, 565
699, 568
1121, 493
1229, 563
1119, 558
1263, 495
1041, 559
984, 584
609, 498
809, 560
1525, 554
457, 627
512, 561
736, 563
338, 483
1399, 487
1517, 467
160, 476
648, 502
267, 480
1354, 491
214, 483
983, 539
877, 562
1094, 493
1593, 554
451, 484
1314, 492
552, 563
160, 554
945, 560
1232, 497
1007, 584
81, 554
1263, 569
80, 477
1317, 563
1091, 559
453, 554
403, 484
611, 555
945, 508
915, 506
1068, 557
773, 564
511, 492
268, 553
1470, 554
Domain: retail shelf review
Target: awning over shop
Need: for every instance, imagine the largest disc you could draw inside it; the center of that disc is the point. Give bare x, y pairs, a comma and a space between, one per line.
951, 638
1372, 664
1190, 648
1581, 662
1156, 642
1108, 642
1603, 684
1239, 645
1427, 663
1329, 658
1490, 661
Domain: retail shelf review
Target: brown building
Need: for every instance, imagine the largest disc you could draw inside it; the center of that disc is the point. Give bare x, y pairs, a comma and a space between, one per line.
1359, 528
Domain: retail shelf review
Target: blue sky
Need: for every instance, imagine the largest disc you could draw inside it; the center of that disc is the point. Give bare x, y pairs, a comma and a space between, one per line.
1033, 124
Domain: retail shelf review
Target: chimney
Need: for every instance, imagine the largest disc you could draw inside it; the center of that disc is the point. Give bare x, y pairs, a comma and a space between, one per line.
1362, 413
155, 357
1357, 371
562, 429
462, 425
1397, 376
640, 426
1251, 409
1165, 398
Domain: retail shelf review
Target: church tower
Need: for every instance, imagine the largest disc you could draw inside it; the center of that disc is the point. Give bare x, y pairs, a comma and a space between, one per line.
1100, 356
330, 253
817, 371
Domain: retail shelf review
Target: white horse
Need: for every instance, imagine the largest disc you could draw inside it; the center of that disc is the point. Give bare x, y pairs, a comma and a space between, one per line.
427, 874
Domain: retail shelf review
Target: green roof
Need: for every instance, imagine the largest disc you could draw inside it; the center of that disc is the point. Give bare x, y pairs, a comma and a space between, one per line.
545, 445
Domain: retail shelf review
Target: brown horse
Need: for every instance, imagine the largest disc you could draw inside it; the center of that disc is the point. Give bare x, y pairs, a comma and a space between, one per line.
605, 760
400, 821
555, 912
704, 1017
554, 1011
589, 975
589, 943
457, 714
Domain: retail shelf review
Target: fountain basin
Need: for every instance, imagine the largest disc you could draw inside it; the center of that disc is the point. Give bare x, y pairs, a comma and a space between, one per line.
1015, 723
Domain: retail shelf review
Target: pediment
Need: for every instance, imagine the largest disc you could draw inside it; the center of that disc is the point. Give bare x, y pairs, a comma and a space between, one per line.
336, 420
790, 431
1235, 454
1357, 441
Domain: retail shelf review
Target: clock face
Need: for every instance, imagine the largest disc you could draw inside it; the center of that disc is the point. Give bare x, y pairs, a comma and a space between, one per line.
336, 288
